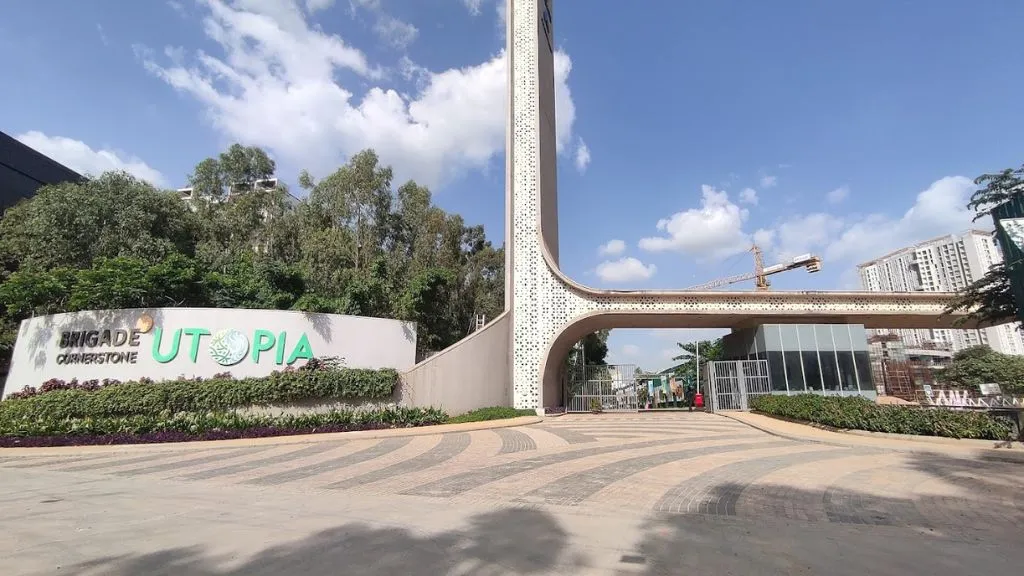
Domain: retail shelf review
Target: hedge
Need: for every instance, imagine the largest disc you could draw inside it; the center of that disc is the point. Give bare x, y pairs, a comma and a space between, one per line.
492, 413
222, 393
204, 426
859, 413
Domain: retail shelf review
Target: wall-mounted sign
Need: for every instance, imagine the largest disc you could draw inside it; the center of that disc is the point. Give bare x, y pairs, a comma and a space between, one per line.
167, 343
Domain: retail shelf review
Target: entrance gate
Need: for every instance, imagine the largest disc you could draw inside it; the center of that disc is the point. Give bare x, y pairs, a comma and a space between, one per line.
732, 383
610, 388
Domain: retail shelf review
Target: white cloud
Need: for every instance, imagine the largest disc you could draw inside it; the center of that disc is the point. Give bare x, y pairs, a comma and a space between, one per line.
474, 6
801, 234
768, 181
940, 209
838, 195
276, 87
582, 156
316, 5
748, 196
103, 35
78, 156
715, 230
630, 350
391, 30
612, 248
627, 269
178, 7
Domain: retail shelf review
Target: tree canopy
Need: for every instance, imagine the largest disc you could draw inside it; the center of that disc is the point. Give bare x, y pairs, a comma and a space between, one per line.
982, 365
354, 245
989, 299
703, 351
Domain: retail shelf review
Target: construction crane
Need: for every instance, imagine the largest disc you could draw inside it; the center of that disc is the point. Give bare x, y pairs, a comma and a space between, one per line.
760, 274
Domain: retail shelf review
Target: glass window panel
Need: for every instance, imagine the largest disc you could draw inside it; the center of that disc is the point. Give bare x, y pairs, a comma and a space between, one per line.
858, 337
841, 335
805, 332
823, 336
847, 371
776, 372
790, 340
771, 338
812, 370
757, 340
863, 361
794, 370
829, 373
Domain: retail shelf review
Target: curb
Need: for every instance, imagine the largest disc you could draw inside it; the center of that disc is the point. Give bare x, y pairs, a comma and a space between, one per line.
274, 440
928, 447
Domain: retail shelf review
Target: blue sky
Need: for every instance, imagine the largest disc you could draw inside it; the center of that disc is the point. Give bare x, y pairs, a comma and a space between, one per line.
688, 130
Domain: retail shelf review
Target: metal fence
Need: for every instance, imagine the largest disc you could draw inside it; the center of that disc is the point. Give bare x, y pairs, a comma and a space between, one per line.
610, 388
732, 383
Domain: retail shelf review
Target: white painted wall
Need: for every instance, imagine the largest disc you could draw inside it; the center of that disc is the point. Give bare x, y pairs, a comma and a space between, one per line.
472, 373
362, 342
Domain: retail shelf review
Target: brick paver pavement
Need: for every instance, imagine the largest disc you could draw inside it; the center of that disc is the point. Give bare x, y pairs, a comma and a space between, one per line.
643, 466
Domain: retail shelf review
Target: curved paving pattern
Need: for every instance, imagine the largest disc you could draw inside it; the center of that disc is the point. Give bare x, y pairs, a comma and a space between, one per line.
664, 464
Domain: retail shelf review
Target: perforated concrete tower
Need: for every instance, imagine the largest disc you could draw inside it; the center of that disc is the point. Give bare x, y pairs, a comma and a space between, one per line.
549, 312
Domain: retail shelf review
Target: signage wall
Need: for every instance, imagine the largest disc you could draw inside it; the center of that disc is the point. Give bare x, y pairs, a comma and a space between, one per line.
166, 343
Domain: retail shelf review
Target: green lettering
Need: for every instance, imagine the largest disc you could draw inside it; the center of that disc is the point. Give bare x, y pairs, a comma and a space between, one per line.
263, 340
302, 350
175, 343
279, 356
196, 334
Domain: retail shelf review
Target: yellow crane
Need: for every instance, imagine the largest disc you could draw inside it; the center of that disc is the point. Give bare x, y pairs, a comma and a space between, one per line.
760, 274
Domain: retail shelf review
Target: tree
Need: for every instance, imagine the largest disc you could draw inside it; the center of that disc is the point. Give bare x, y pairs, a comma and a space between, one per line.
353, 246
983, 365
704, 350
116, 214
989, 299
595, 350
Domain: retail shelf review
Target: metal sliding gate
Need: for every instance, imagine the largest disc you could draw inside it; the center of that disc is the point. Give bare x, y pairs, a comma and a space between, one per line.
610, 388
731, 384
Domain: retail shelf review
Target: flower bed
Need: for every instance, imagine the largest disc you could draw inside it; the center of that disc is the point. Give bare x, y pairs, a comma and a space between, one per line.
91, 412
186, 426
859, 413
91, 399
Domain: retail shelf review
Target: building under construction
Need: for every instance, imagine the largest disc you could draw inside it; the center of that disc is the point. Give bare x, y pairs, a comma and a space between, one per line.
904, 372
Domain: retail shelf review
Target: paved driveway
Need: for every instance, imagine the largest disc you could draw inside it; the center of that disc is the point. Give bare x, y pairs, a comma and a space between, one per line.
650, 493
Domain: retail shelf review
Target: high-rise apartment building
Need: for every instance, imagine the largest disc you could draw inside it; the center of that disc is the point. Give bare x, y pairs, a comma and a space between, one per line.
945, 264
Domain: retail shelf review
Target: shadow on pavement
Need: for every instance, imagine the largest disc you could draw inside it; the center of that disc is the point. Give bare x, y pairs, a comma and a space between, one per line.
755, 528
515, 540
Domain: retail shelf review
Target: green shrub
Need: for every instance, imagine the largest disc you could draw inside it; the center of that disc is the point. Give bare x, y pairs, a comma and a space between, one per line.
217, 394
859, 413
492, 413
197, 423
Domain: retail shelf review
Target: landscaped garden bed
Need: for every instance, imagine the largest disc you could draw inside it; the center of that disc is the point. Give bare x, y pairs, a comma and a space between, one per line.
859, 413
491, 413
73, 413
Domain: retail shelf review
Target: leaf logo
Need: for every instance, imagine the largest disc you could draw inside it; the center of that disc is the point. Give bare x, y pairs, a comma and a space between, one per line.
228, 347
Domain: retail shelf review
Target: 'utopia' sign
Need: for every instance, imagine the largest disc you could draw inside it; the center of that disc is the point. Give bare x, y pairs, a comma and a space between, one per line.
226, 347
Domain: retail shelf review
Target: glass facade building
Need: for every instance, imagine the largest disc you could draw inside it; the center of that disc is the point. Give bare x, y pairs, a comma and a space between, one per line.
822, 358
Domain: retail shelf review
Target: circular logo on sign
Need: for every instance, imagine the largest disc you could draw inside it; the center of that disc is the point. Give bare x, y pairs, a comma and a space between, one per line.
144, 324
228, 347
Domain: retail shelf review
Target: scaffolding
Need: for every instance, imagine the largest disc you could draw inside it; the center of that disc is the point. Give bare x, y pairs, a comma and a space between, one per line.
896, 373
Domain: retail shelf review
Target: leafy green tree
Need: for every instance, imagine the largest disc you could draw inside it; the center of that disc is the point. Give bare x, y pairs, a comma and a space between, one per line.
982, 365
704, 350
595, 350
989, 299
353, 246
116, 214
427, 300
